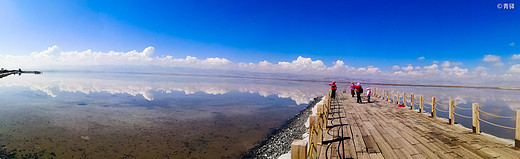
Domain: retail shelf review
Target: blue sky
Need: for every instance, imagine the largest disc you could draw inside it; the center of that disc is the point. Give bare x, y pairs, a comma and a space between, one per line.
359, 33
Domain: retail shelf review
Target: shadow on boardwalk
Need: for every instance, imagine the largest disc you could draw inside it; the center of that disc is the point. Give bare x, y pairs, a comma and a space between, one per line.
382, 130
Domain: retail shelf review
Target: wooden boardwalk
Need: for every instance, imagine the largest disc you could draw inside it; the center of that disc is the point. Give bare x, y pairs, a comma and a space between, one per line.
382, 130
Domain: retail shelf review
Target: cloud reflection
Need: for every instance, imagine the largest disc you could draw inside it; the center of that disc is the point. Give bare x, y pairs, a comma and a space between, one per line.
147, 85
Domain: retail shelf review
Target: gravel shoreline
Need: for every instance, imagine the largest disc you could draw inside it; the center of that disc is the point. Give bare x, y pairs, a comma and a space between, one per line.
279, 142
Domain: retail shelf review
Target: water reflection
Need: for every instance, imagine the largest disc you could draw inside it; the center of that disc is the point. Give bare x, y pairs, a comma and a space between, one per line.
97, 115
145, 85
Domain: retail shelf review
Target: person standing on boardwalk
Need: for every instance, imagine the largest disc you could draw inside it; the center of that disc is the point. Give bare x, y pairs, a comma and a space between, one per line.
352, 89
333, 88
368, 95
359, 90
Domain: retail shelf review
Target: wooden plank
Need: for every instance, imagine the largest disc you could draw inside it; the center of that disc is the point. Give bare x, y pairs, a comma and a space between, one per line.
363, 155
465, 153
323, 151
391, 141
504, 154
371, 146
376, 156
359, 144
425, 151
402, 154
409, 147
348, 144
490, 152
386, 150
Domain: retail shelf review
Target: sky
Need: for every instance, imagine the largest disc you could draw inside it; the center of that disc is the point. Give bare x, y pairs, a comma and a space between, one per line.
433, 38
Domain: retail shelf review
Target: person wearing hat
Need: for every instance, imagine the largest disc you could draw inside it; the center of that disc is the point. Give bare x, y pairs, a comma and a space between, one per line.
333, 88
368, 95
352, 89
359, 90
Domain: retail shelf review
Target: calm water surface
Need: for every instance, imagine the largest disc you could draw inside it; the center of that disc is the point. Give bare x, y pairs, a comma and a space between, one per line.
79, 115
103, 115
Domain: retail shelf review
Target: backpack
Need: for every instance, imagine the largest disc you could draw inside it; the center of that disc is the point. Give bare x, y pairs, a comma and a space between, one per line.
360, 89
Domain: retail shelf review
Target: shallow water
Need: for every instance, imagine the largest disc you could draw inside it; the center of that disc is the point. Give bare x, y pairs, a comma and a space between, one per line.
116, 115
96, 115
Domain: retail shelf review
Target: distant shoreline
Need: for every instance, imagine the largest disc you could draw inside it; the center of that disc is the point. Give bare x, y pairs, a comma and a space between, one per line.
446, 86
296, 80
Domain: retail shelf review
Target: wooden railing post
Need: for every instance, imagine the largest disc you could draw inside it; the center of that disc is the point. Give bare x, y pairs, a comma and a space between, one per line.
387, 95
452, 112
421, 104
299, 149
476, 122
412, 102
397, 99
517, 130
314, 137
404, 99
392, 97
434, 108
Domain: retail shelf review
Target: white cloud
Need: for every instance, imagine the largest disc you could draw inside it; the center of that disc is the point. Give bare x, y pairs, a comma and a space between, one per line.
408, 68
449, 64
493, 59
512, 44
445, 64
516, 57
372, 69
420, 58
432, 67
53, 57
515, 69
455, 71
480, 68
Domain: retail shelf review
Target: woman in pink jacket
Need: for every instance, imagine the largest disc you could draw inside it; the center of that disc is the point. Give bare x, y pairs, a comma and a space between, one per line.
368, 94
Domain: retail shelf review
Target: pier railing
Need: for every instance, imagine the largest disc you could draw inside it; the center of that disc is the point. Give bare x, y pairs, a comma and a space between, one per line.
387, 95
310, 148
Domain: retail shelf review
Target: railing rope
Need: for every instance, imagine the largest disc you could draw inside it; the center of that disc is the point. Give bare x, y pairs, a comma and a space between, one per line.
442, 104
445, 111
507, 127
498, 116
462, 108
462, 115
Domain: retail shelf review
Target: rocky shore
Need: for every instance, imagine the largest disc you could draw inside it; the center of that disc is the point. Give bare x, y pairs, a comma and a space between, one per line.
279, 142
